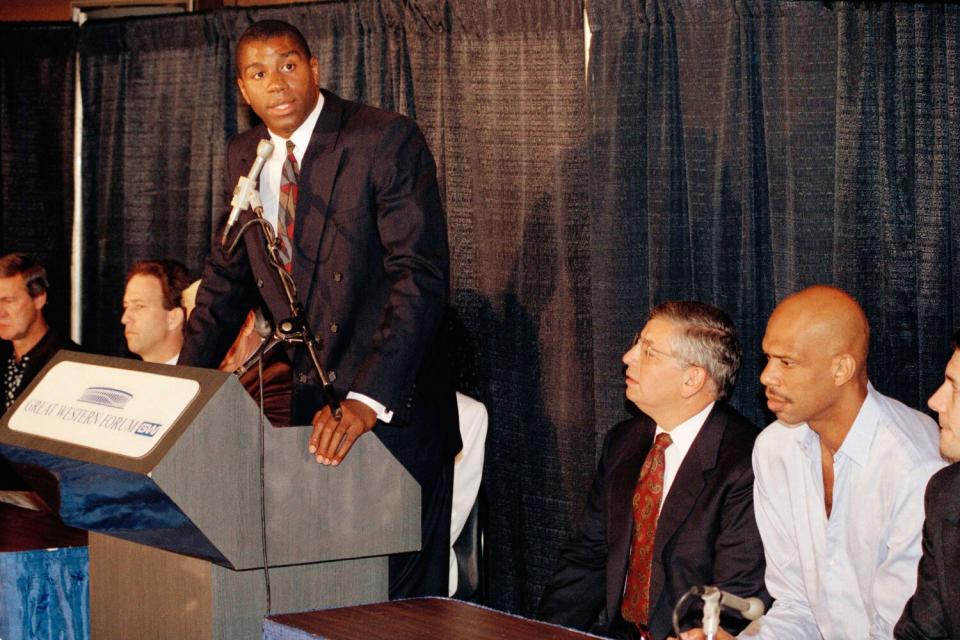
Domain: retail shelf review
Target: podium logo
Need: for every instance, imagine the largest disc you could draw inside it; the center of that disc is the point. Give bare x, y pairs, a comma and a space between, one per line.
106, 397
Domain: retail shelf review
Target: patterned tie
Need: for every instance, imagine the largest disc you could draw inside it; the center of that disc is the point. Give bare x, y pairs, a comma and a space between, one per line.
646, 508
287, 211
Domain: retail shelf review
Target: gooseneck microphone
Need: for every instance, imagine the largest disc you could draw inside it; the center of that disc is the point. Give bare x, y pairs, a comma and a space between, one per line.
241, 193
713, 599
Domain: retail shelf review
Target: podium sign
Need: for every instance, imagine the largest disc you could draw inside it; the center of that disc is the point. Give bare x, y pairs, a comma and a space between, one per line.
170, 458
117, 413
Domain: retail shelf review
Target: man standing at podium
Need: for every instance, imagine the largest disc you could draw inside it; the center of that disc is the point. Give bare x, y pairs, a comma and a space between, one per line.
352, 193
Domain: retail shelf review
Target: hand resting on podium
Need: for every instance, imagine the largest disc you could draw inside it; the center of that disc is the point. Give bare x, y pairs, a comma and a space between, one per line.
331, 439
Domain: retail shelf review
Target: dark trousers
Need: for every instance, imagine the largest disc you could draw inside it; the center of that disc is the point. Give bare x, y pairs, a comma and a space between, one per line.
427, 572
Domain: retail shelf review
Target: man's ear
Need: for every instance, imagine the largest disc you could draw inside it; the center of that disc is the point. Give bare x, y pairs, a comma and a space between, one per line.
694, 378
315, 70
175, 319
844, 368
40, 301
243, 91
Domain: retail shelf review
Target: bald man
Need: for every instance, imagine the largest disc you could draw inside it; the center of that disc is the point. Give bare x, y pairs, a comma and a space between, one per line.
840, 478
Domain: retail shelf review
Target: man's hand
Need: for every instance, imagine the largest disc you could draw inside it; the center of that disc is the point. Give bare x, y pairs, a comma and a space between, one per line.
331, 439
698, 634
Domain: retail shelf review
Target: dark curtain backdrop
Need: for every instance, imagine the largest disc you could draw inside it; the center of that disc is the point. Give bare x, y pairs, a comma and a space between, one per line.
741, 150
728, 151
37, 78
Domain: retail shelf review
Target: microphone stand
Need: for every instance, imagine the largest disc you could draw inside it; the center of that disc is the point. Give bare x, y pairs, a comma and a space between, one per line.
293, 329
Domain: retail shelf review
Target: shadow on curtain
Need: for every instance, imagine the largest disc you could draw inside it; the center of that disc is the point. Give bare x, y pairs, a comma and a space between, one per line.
37, 78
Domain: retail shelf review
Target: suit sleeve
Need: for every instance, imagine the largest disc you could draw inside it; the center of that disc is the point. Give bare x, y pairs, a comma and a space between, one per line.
227, 293
413, 234
576, 593
923, 617
738, 565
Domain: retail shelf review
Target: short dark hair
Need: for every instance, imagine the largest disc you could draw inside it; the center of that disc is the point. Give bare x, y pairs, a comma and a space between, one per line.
955, 340
34, 274
707, 338
265, 29
173, 276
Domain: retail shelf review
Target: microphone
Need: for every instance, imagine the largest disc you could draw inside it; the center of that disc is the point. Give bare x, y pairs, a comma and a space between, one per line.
241, 194
749, 608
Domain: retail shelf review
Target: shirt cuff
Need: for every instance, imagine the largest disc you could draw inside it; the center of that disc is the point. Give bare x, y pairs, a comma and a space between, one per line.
382, 414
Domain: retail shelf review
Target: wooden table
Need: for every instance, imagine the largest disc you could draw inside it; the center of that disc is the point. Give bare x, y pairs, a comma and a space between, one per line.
414, 619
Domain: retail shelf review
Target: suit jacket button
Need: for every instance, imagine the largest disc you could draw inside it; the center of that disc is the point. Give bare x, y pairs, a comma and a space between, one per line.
302, 378
260, 283
337, 276
332, 376
334, 327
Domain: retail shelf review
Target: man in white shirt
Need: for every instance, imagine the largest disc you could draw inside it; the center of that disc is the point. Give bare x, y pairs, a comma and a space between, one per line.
839, 479
153, 312
671, 505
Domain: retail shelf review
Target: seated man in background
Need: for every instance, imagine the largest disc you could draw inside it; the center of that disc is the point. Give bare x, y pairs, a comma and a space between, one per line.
840, 478
671, 505
153, 312
27, 342
932, 612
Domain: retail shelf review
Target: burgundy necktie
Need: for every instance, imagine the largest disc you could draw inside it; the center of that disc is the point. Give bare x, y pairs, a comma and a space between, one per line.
287, 209
646, 508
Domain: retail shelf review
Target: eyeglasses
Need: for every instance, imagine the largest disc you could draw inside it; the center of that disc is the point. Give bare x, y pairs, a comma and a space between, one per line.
649, 354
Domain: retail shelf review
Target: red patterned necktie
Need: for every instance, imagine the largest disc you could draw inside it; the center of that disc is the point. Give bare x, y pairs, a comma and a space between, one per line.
287, 210
646, 508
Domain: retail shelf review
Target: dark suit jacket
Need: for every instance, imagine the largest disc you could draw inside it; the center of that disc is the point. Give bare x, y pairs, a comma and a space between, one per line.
934, 609
706, 533
371, 270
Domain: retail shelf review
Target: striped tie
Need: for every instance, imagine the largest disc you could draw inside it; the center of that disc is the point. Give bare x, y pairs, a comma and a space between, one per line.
287, 211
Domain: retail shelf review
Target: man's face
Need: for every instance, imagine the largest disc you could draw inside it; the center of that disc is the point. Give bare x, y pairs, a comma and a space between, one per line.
946, 402
278, 82
146, 323
654, 376
798, 376
19, 313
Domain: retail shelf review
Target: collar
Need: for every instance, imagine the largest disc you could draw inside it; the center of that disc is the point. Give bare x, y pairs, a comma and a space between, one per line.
686, 432
856, 446
44, 344
300, 137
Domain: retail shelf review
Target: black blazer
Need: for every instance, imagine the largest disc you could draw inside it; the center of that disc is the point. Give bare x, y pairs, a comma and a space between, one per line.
934, 609
706, 534
371, 270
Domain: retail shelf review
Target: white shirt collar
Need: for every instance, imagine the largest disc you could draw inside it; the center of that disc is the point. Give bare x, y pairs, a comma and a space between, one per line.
686, 432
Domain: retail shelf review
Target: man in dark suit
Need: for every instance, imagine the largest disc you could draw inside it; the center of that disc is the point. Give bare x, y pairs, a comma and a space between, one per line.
657, 524
352, 193
933, 612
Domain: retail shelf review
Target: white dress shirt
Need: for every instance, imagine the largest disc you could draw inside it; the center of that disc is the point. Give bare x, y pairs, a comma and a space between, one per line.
849, 576
269, 188
273, 167
682, 437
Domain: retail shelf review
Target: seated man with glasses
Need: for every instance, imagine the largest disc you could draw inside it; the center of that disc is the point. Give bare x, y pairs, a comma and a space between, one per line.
671, 504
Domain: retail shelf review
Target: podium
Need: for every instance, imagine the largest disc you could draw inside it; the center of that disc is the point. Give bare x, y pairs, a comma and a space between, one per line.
162, 465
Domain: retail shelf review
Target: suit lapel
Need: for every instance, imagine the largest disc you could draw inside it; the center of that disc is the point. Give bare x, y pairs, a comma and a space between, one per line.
318, 173
686, 488
623, 482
